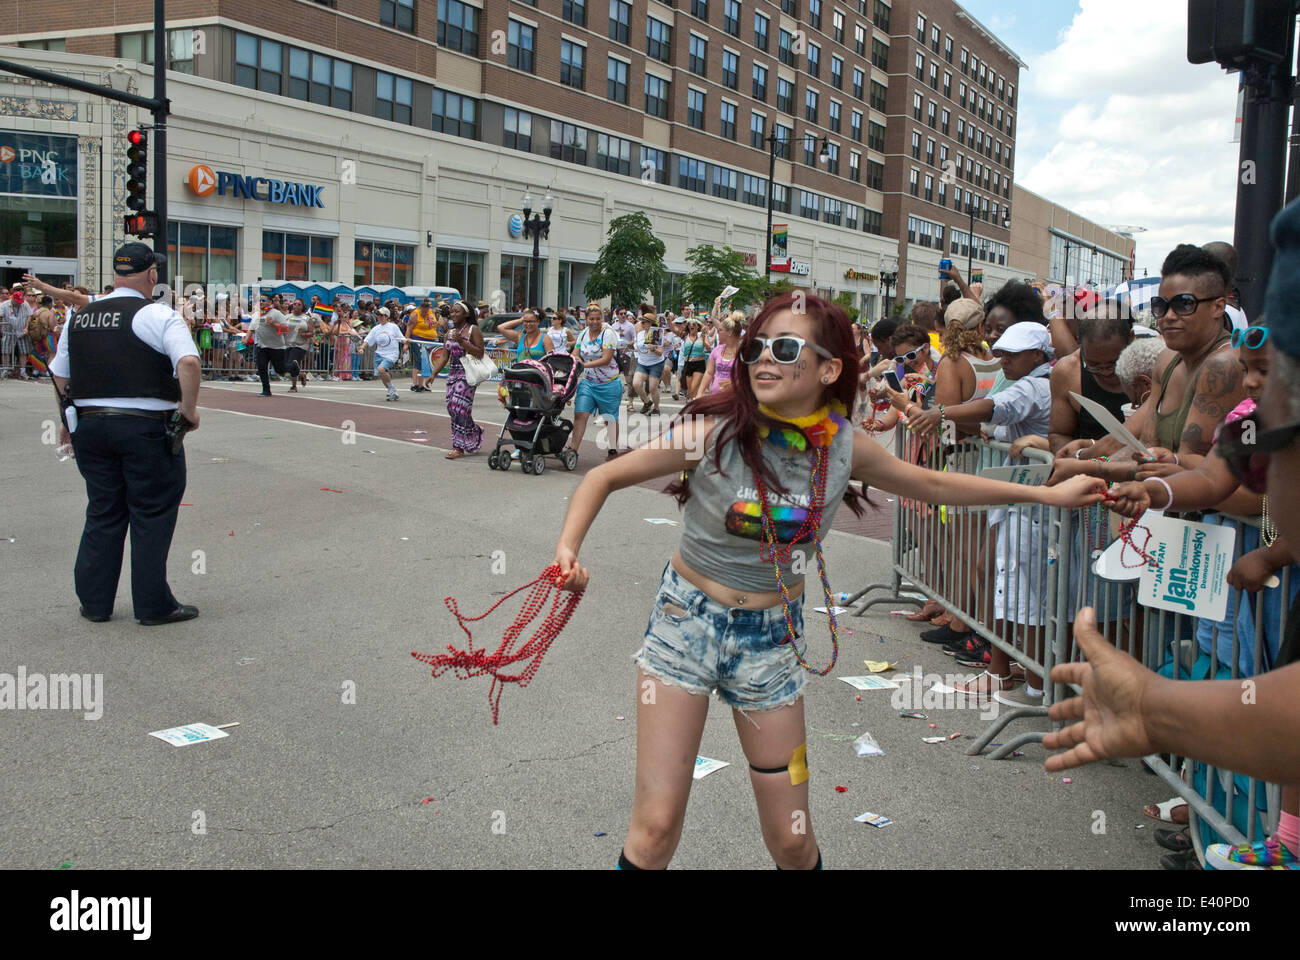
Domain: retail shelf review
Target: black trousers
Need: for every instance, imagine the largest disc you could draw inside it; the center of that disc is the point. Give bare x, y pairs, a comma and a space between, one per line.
279, 358
131, 482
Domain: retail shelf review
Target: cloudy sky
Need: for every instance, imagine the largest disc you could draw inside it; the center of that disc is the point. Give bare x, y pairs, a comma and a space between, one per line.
1115, 124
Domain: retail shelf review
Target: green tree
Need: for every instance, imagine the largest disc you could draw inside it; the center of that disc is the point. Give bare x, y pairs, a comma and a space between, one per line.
630, 264
844, 299
897, 309
779, 288
712, 269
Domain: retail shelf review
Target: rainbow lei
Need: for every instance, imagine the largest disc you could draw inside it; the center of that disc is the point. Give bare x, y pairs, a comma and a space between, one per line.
817, 430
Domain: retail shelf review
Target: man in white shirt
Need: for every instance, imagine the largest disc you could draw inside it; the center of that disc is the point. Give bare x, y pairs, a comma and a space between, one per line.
15, 313
386, 337
128, 365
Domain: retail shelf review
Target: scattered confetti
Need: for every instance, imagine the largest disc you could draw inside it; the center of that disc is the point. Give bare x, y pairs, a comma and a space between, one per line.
428, 800
858, 697
1066, 780
933, 726
329, 490
841, 789
620, 718
187, 504
418, 440
220, 459
954, 736
231, 533
914, 716
66, 864
934, 739
245, 661
406, 538
600, 833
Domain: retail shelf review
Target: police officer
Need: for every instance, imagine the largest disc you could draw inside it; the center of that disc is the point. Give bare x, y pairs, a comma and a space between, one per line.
127, 363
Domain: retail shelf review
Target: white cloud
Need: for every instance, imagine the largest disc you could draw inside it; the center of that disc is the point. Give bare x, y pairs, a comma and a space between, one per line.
1123, 130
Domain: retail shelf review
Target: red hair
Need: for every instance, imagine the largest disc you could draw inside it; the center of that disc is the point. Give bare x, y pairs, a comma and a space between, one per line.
738, 407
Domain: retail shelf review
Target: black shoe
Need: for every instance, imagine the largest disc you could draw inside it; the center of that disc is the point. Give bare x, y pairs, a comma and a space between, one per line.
978, 656
946, 634
92, 618
1179, 841
265, 393
294, 370
1180, 861
183, 612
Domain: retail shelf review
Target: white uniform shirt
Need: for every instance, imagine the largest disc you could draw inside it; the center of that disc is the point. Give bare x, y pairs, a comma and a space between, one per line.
159, 327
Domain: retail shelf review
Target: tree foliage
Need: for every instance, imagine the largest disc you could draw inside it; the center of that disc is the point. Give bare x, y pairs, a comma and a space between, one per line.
630, 264
713, 268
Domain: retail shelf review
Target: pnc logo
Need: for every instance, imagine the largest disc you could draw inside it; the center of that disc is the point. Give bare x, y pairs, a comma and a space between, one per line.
202, 180
7, 154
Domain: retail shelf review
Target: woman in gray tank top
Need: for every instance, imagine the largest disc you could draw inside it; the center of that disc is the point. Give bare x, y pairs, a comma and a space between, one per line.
761, 469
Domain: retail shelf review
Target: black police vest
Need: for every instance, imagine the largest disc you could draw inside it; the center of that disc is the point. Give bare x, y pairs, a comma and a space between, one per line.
107, 358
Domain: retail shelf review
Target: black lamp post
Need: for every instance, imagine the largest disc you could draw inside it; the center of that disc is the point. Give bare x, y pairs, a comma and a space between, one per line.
823, 155
887, 280
537, 227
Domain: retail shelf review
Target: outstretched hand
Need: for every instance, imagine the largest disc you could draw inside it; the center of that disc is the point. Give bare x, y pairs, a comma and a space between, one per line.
575, 575
1109, 712
1081, 491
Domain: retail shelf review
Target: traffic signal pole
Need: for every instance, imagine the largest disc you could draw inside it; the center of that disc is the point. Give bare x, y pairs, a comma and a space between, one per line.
157, 105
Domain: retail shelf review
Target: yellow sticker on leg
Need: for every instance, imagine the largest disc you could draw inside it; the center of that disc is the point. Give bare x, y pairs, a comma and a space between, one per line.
799, 764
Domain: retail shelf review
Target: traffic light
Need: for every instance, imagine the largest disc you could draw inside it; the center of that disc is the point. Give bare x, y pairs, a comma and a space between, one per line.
1237, 34
139, 222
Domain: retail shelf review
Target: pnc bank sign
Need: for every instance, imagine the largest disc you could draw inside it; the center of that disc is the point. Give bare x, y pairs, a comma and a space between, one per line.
204, 181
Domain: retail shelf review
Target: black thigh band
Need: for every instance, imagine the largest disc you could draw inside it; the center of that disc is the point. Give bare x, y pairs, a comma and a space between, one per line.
784, 769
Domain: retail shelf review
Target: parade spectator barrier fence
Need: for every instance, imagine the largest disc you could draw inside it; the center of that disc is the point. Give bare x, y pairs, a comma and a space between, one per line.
337, 356
1032, 567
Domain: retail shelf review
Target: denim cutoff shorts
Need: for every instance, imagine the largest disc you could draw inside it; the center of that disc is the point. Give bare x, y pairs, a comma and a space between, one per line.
695, 643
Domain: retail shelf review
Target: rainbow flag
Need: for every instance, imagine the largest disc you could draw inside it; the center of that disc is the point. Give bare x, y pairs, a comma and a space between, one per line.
323, 310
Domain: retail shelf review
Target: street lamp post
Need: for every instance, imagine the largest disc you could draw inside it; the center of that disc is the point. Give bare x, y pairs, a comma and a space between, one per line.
887, 280
537, 227
772, 140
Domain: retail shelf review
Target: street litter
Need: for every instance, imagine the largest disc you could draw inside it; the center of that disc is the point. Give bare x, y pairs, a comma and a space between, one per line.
954, 736
329, 490
875, 819
942, 688
866, 746
870, 683
914, 716
660, 520
704, 766
841, 789
934, 739
190, 733
879, 666
220, 459
838, 610
419, 440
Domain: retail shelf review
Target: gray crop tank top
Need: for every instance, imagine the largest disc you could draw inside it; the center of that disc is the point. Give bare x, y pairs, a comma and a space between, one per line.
723, 524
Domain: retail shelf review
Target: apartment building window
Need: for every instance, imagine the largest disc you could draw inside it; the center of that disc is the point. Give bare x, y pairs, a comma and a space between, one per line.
727, 120
200, 253
815, 60
572, 57
455, 114
568, 142
810, 149
981, 108
700, 8
943, 155
956, 201
947, 49
519, 47
695, 108
61, 46
620, 20
731, 17
613, 154
815, 13
724, 183
855, 125
656, 96
915, 182
1001, 90
855, 166
518, 129
320, 79
929, 114
760, 31
760, 83
935, 35
916, 145
860, 40
934, 75
399, 14
875, 135
920, 28
699, 55
920, 66
858, 77
837, 72
1011, 95
965, 61
995, 214
881, 15
837, 26
834, 212
784, 95
810, 108
916, 106
654, 162
999, 118
730, 69
810, 205
757, 130
616, 80
780, 198
947, 84
294, 256
944, 120
929, 188
783, 136
692, 174
791, 7
929, 150
879, 95
873, 221
943, 193
392, 97
138, 47
961, 129
259, 64
754, 190
575, 11
879, 54
833, 158
834, 112
785, 48
658, 40
851, 216
458, 26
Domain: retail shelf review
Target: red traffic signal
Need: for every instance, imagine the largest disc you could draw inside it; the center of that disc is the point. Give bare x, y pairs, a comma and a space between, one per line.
137, 169
142, 224
136, 137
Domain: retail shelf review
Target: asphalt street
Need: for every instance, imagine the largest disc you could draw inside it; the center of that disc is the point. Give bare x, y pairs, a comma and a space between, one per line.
320, 564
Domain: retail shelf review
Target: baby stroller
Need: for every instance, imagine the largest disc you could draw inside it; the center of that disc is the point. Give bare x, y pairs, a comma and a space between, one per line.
534, 393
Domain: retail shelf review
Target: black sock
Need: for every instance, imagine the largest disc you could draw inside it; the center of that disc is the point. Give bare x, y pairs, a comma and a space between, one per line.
819, 860
625, 864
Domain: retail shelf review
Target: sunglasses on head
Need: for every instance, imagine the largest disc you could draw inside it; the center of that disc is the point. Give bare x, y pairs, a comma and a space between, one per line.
1246, 449
1183, 305
1252, 337
785, 349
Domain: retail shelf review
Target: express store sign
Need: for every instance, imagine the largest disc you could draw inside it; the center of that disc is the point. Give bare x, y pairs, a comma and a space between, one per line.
203, 181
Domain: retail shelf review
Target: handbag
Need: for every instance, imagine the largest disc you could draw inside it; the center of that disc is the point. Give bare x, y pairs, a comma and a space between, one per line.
477, 369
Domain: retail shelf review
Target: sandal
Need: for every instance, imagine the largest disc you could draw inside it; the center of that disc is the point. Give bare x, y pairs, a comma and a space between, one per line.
930, 610
1167, 812
982, 690
455, 454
